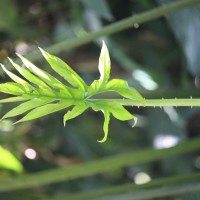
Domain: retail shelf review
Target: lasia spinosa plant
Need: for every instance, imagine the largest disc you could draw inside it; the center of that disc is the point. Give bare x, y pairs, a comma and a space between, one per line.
42, 93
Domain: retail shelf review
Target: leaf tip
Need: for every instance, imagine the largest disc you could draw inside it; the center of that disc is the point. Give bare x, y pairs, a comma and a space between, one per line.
16, 122
11, 61
135, 121
103, 140
64, 122
42, 51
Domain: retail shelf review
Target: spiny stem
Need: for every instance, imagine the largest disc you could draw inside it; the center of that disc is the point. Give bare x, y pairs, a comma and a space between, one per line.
156, 102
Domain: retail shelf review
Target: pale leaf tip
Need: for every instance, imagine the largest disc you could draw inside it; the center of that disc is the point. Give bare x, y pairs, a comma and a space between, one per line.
42, 51
103, 140
64, 123
135, 121
16, 122
104, 44
10, 60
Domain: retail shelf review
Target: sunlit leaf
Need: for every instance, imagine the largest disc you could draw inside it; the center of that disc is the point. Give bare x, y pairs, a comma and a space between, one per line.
17, 79
9, 161
104, 64
45, 110
13, 99
46, 77
120, 86
64, 70
12, 88
42, 87
104, 69
115, 108
76, 111
43, 94
24, 107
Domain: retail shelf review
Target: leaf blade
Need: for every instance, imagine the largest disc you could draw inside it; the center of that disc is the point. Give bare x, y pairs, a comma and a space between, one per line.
117, 110
76, 111
64, 70
45, 110
13, 99
121, 86
104, 64
24, 107
12, 88
104, 70
27, 86
46, 77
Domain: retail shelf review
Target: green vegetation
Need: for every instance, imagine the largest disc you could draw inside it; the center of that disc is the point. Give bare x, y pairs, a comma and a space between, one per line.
151, 87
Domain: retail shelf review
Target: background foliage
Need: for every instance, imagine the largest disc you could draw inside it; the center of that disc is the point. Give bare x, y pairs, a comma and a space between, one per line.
159, 58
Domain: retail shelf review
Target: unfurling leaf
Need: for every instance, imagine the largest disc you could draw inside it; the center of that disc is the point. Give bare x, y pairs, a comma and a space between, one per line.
42, 94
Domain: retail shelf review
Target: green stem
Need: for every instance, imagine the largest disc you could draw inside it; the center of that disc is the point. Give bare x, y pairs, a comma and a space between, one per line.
114, 28
155, 102
130, 187
122, 25
95, 167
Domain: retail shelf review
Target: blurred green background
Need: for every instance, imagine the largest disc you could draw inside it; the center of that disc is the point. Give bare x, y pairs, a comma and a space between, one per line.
160, 58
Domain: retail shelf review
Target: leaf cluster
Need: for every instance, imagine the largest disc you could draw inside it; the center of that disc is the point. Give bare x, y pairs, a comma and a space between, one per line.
42, 94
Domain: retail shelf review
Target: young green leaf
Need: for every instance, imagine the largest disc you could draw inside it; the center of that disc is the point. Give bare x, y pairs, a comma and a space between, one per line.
117, 110
45, 110
78, 109
27, 86
107, 107
24, 107
104, 69
46, 77
9, 161
65, 71
120, 86
12, 88
42, 87
13, 99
